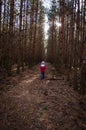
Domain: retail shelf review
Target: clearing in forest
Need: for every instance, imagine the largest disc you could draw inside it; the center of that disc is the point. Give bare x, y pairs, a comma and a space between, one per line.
28, 103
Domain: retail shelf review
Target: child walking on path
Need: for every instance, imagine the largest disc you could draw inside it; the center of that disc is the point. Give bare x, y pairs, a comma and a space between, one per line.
42, 69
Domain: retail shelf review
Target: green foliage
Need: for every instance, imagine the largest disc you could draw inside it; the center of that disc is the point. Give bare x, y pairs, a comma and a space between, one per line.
54, 10
41, 113
45, 107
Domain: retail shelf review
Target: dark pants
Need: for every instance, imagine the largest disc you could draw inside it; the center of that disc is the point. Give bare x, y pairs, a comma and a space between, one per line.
42, 75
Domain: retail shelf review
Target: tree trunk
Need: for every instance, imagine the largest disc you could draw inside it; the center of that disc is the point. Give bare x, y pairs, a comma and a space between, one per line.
20, 40
11, 26
62, 37
35, 30
0, 18
31, 33
0, 30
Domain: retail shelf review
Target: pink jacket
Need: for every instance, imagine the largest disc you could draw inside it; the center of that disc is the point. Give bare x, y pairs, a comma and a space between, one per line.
42, 68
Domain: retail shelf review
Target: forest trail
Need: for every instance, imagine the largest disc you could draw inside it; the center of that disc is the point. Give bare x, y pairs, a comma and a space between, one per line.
28, 103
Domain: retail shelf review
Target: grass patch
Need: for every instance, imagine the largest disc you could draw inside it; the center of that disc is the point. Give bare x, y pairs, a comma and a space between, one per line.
41, 113
45, 107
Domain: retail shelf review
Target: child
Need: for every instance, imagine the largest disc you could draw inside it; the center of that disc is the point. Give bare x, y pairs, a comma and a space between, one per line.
42, 69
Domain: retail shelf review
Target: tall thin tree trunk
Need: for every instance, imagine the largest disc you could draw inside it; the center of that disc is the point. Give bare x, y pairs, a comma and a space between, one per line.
0, 18
35, 30
0, 28
71, 38
31, 33
20, 40
75, 49
11, 26
62, 30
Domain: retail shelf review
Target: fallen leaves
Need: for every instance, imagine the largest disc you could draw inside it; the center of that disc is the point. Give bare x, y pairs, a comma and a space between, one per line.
32, 104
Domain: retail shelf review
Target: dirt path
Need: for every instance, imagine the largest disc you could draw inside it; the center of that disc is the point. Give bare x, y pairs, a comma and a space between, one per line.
34, 104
